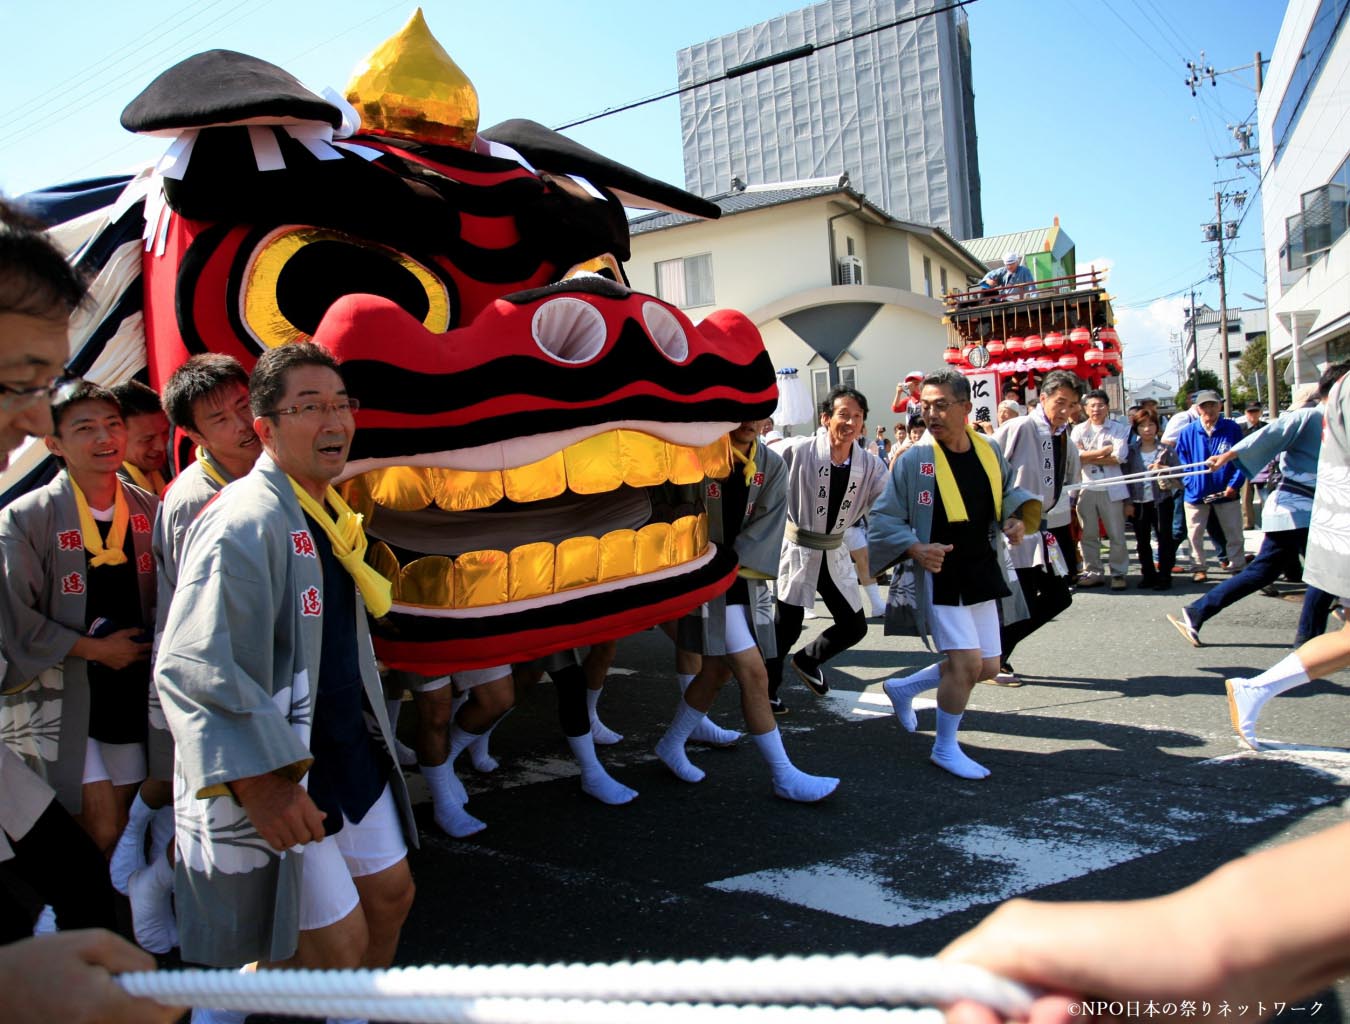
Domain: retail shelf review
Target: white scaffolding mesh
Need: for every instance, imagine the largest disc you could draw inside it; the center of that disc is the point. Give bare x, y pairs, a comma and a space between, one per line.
894, 109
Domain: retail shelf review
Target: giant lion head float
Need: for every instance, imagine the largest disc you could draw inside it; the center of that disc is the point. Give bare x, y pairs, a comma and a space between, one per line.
532, 433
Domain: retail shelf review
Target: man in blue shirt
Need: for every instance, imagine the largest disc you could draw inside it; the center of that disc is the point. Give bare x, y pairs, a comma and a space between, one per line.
1214, 492
1296, 440
1012, 279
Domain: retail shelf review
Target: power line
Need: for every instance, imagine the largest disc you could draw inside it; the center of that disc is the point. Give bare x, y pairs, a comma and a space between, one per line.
760, 64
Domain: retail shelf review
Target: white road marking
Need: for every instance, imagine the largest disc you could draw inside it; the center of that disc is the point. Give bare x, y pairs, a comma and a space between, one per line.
852, 706
1051, 841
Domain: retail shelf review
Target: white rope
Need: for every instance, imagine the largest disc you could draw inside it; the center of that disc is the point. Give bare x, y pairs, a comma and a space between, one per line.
1145, 476
844, 988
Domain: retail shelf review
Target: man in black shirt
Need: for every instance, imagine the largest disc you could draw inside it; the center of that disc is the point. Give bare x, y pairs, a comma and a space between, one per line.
945, 501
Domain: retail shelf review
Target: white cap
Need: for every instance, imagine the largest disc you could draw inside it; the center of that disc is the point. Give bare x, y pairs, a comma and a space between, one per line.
1012, 257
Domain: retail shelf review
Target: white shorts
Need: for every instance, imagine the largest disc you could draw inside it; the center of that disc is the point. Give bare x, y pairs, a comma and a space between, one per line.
962, 627
118, 763
739, 636
327, 892
465, 680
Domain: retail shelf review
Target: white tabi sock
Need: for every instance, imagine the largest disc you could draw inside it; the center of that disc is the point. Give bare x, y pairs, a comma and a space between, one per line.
1285, 675
903, 689
483, 761
46, 921
670, 748
407, 757
460, 739
595, 781
1248, 696
601, 733
790, 782
129, 854
684, 681
151, 893
707, 731
947, 753
877, 601
447, 802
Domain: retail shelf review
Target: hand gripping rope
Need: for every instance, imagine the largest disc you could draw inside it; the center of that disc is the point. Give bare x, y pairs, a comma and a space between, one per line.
768, 990
1145, 476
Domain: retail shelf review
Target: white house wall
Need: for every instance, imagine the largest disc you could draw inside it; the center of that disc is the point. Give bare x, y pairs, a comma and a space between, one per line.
1312, 153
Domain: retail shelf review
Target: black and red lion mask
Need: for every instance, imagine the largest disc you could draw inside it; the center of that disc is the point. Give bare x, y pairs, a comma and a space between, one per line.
532, 434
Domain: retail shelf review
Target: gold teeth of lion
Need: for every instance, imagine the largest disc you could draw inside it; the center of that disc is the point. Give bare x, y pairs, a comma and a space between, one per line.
478, 579
594, 466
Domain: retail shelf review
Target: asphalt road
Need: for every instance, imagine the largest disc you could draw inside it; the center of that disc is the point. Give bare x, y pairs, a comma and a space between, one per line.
1115, 775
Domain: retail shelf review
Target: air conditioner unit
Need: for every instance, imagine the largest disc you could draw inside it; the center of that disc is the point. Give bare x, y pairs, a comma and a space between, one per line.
851, 270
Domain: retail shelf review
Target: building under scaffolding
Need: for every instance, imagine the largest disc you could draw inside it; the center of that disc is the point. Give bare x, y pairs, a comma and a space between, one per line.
894, 108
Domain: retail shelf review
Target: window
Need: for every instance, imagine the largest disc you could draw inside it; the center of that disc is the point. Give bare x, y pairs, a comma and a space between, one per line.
1325, 25
820, 386
1323, 218
686, 282
848, 376
942, 276
928, 277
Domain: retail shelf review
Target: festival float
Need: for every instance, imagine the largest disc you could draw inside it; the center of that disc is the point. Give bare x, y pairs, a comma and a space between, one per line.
1016, 334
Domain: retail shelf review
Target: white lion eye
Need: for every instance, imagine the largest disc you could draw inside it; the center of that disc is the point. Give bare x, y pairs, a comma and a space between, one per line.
666, 331
569, 330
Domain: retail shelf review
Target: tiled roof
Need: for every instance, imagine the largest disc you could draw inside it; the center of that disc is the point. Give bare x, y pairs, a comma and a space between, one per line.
759, 197
735, 202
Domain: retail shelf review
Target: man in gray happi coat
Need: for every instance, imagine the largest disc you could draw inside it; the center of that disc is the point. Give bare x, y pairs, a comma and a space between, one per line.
292, 817
946, 501
832, 482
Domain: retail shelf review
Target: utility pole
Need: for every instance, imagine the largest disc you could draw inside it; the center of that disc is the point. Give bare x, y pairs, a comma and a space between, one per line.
1195, 347
1223, 306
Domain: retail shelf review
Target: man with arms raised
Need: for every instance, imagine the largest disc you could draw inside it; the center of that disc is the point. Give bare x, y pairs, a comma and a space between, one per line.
292, 817
944, 502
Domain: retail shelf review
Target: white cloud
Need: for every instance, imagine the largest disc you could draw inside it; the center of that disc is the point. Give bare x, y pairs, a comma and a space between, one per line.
1146, 335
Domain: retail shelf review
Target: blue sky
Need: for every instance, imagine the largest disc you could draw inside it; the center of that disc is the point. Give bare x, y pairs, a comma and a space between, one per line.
1080, 105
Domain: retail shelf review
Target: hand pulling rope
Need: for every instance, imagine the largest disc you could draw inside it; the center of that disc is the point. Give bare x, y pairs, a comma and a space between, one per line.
842, 988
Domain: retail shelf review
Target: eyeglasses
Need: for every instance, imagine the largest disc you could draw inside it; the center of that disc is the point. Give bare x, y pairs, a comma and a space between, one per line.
937, 407
13, 399
317, 410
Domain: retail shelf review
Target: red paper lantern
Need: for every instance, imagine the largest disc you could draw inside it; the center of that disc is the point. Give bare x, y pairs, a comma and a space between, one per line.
1068, 362
1108, 337
1093, 356
995, 347
1032, 343
952, 355
1015, 344
1080, 336
1046, 363
1054, 341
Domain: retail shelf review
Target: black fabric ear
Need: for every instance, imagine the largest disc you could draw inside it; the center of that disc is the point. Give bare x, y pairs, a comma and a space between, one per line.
551, 151
224, 87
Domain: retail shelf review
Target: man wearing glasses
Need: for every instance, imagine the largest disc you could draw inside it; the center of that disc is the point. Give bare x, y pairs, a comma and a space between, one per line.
292, 817
944, 503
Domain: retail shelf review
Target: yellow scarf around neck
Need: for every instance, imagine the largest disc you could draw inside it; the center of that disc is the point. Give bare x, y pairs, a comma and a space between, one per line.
209, 467
748, 461
103, 554
349, 545
152, 481
946, 482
